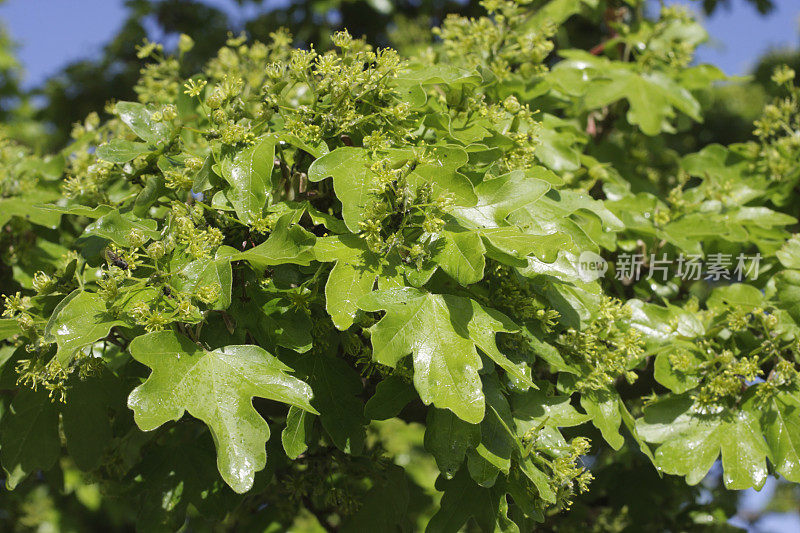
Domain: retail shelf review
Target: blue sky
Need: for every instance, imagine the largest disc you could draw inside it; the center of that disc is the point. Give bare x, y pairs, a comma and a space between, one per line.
51, 33
738, 36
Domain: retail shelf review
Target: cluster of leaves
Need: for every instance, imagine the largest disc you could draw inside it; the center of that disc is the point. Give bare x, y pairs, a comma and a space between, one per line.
310, 251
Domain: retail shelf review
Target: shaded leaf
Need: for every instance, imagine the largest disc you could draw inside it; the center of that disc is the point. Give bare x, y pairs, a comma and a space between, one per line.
498, 439
448, 438
85, 417
385, 506
336, 389
464, 499
29, 435
391, 395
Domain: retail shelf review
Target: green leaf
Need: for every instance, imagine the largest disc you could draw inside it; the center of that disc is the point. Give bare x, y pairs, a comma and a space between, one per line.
441, 74
677, 381
522, 490
70, 208
717, 165
353, 276
442, 332
547, 352
539, 479
391, 395
385, 506
173, 475
780, 419
319, 218
690, 442
448, 438
80, 320
205, 176
542, 409
499, 197
539, 413
153, 189
464, 129
787, 285
273, 320
663, 323
498, 440
317, 149
217, 387
464, 499
558, 146
353, 181
139, 119
411, 80
294, 435
738, 295
29, 435
288, 243
206, 273
85, 417
511, 241
116, 227
249, 175
121, 151
587, 221
461, 255
439, 169
26, 207
556, 12
789, 254
604, 409
336, 396
653, 96
630, 424
8, 328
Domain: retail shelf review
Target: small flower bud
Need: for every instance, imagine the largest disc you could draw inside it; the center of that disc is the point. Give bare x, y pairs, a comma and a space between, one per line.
215, 99
25, 322
219, 116
185, 43
156, 250
342, 39
170, 112
42, 283
783, 74
193, 163
511, 104
208, 293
